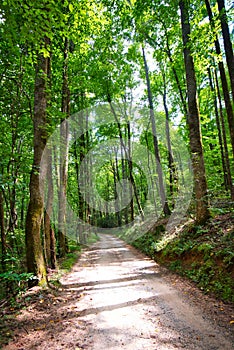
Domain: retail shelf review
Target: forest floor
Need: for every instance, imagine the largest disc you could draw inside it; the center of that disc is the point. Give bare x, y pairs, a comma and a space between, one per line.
117, 298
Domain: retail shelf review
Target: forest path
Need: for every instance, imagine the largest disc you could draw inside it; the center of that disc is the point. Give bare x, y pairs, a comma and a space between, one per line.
117, 298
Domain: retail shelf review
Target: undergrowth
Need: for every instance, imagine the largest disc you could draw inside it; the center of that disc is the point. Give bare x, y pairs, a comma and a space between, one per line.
14, 281
204, 254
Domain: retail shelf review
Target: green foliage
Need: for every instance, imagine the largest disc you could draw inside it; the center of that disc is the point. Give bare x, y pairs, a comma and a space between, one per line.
176, 266
227, 255
13, 283
148, 243
70, 259
178, 247
108, 221
204, 254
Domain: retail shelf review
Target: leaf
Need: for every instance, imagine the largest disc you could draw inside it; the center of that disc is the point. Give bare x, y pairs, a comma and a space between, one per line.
45, 52
71, 7
41, 328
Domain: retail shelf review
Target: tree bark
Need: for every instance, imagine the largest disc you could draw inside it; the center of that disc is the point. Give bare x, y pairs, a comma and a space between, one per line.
227, 100
227, 43
34, 251
227, 161
202, 211
162, 191
82, 180
171, 162
219, 129
130, 169
114, 165
3, 236
62, 242
50, 249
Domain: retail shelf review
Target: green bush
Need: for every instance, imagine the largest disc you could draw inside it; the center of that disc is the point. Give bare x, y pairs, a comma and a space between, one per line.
13, 282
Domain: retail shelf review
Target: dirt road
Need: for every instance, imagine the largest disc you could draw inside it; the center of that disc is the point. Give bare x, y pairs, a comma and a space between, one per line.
117, 298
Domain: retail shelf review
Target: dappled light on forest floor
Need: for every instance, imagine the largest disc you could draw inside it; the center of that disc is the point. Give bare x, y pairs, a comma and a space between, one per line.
115, 298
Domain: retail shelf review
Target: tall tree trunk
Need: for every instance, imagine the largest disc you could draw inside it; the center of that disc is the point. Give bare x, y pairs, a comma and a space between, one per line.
130, 168
219, 129
149, 161
125, 175
62, 242
227, 100
227, 161
114, 165
222, 137
171, 162
80, 197
49, 234
202, 211
162, 191
88, 167
117, 174
227, 43
34, 250
123, 146
2, 227
50, 249
169, 54
82, 180
22, 205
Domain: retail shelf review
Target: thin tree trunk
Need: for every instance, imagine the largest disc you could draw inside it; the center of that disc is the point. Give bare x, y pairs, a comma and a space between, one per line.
118, 180
3, 236
227, 100
219, 129
50, 249
162, 191
171, 162
49, 234
62, 242
82, 179
130, 169
117, 211
150, 172
127, 156
22, 206
226, 153
125, 175
80, 198
169, 54
201, 195
227, 42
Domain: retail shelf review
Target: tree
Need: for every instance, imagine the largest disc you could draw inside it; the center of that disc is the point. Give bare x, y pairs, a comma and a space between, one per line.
221, 136
50, 246
227, 100
162, 192
200, 183
34, 251
2, 228
227, 42
64, 133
